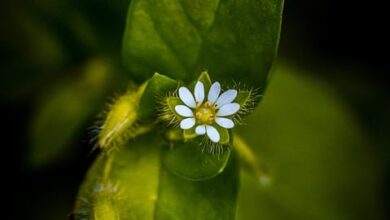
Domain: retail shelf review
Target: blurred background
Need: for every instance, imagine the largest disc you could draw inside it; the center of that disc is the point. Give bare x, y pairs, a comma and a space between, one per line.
324, 121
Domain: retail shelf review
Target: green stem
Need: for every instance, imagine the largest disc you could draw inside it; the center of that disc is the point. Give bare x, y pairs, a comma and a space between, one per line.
250, 161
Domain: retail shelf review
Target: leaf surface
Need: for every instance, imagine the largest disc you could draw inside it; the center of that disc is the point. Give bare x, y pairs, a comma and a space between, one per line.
134, 184
233, 40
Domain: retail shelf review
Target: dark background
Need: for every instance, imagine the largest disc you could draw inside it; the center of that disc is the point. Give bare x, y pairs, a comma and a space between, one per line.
344, 41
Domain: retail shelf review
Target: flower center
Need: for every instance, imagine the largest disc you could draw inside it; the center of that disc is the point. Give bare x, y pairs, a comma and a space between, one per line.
205, 114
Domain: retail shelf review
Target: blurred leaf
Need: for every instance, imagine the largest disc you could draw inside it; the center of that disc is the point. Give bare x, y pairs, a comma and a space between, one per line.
134, 184
234, 40
108, 28
192, 160
322, 164
64, 110
31, 52
82, 26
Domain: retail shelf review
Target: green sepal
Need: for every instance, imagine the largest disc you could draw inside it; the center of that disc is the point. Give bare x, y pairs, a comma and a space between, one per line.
168, 112
224, 135
205, 79
189, 133
243, 97
247, 100
158, 85
223, 132
173, 135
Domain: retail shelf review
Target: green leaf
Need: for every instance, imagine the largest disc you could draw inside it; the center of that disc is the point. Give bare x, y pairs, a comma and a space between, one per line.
193, 160
158, 85
233, 40
134, 184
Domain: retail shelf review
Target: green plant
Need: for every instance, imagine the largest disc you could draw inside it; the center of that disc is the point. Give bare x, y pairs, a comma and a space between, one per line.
150, 169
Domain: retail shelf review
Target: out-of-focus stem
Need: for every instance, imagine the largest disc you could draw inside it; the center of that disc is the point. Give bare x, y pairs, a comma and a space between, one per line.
107, 168
250, 161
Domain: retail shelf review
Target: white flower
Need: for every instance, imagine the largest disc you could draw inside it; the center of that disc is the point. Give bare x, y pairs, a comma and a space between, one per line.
204, 114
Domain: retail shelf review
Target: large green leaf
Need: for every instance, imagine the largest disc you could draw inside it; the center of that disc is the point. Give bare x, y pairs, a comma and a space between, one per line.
235, 40
134, 184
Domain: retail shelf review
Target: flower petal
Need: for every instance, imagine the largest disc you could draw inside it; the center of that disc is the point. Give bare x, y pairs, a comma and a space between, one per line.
186, 96
199, 92
187, 123
200, 130
184, 111
212, 133
226, 97
215, 89
228, 109
224, 122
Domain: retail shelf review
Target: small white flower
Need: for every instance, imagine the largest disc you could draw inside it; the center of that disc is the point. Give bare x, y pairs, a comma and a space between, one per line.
204, 114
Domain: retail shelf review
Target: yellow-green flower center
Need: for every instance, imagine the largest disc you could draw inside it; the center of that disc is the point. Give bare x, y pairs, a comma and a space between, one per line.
205, 114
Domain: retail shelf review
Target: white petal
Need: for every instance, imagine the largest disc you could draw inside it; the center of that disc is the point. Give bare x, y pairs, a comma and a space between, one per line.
200, 130
228, 109
224, 122
215, 89
187, 123
186, 96
226, 97
212, 133
184, 111
199, 92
